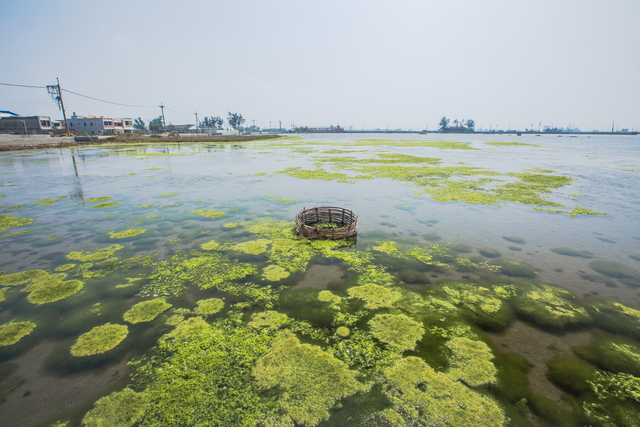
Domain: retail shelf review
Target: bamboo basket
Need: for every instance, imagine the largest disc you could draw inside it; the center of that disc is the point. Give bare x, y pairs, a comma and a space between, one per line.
346, 220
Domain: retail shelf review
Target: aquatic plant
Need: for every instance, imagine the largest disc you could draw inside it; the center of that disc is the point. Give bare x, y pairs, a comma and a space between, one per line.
307, 380
470, 362
550, 307
9, 221
343, 332
571, 374
281, 199
374, 296
52, 288
106, 205
188, 328
426, 257
22, 277
389, 248
98, 255
273, 273
47, 202
270, 320
578, 210
611, 352
207, 307
615, 317
331, 298
3, 292
147, 206
119, 409
627, 275
98, 199
399, 331
208, 213
489, 253
422, 396
618, 400
12, 332
565, 250
513, 268
252, 247
207, 380
167, 194
126, 233
99, 340
146, 311
514, 239
377, 275
478, 303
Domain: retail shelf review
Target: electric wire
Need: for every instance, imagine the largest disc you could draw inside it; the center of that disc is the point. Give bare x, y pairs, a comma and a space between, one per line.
109, 102
11, 84
180, 112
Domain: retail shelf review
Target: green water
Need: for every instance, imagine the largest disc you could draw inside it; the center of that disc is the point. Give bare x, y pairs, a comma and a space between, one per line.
494, 281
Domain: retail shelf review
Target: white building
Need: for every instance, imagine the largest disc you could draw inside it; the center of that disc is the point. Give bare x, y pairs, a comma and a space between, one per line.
100, 125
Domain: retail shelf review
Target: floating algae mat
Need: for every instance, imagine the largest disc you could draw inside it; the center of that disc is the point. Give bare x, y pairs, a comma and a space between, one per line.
493, 282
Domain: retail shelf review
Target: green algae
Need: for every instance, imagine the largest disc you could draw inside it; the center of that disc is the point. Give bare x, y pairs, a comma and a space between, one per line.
207, 380
617, 270
208, 213
119, 409
22, 277
319, 174
513, 268
147, 206
514, 239
332, 299
565, 250
188, 328
578, 210
253, 247
269, 320
9, 221
399, 331
343, 331
618, 400
106, 205
167, 194
47, 202
509, 144
282, 200
52, 288
571, 374
307, 380
549, 307
274, 273
207, 307
99, 340
146, 311
210, 245
470, 362
3, 293
126, 233
480, 304
98, 255
12, 332
98, 199
374, 296
422, 396
611, 352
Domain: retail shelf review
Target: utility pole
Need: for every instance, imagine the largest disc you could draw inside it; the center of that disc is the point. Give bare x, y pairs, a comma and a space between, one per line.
196, 113
56, 94
163, 122
279, 125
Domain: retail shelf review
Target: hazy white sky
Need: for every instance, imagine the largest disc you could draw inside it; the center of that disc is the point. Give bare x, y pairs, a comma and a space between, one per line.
360, 63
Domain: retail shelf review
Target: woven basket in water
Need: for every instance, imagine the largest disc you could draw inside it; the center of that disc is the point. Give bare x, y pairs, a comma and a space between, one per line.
307, 220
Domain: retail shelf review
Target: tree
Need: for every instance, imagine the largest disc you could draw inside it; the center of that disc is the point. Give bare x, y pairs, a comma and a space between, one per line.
139, 124
155, 125
212, 122
444, 123
235, 120
471, 125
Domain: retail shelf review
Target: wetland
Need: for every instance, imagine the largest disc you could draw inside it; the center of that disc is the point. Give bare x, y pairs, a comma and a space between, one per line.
494, 281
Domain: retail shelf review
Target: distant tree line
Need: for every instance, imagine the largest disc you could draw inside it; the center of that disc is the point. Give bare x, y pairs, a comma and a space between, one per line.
458, 126
235, 120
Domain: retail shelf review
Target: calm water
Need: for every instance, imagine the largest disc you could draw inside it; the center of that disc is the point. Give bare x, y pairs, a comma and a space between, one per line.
158, 186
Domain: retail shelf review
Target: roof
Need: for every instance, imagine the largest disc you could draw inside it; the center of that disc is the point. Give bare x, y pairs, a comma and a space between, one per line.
4, 113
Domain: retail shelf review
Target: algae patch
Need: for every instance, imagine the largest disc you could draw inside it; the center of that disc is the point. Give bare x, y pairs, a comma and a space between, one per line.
99, 340
146, 311
12, 332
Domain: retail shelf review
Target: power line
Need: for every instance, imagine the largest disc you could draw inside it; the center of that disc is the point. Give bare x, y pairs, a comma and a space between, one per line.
109, 102
180, 112
10, 84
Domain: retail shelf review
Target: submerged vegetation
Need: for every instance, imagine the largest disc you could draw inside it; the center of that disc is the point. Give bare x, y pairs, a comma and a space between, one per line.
241, 322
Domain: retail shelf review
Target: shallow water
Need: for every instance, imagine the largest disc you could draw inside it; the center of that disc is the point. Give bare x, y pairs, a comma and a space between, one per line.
156, 187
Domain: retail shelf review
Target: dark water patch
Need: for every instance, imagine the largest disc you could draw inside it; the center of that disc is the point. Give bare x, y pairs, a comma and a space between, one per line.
489, 252
514, 239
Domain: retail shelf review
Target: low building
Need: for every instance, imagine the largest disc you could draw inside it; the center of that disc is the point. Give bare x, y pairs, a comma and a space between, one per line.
181, 128
99, 125
25, 125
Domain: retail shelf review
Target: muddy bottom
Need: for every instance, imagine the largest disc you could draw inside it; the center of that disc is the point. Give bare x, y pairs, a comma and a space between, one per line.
538, 348
319, 277
44, 394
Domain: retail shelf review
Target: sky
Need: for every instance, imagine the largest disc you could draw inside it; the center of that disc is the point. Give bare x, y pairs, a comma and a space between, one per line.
363, 64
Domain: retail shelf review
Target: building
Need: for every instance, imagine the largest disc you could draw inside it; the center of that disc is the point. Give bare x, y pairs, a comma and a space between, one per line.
99, 125
7, 114
181, 128
25, 125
